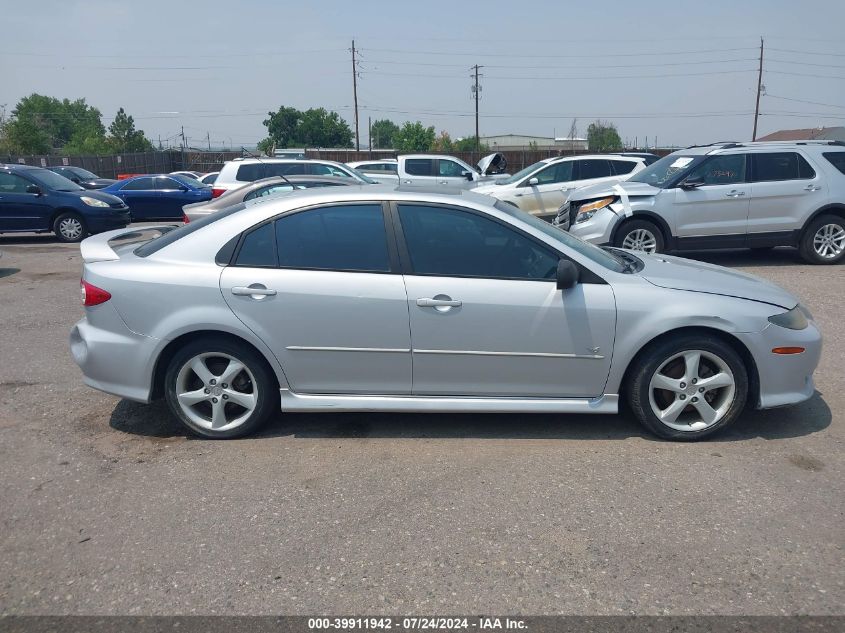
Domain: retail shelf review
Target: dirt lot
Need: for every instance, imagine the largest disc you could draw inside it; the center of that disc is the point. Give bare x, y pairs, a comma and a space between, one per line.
108, 508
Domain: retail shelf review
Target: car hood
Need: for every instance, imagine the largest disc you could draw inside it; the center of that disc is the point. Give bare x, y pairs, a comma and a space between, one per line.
686, 274
492, 164
599, 190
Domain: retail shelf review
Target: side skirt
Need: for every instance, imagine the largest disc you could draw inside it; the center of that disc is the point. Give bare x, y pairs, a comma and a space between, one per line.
297, 402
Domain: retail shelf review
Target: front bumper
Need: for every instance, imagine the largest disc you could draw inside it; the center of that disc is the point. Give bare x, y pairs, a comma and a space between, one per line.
598, 229
784, 378
117, 219
112, 357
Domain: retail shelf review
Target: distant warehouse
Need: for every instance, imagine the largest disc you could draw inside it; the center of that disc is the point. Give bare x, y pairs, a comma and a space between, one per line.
513, 142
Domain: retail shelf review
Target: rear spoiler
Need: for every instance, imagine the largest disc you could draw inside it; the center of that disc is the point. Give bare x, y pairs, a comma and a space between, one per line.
97, 248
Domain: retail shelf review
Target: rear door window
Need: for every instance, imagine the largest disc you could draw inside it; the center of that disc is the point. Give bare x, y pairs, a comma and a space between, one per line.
622, 167
775, 166
258, 250
588, 169
139, 184
419, 167
168, 184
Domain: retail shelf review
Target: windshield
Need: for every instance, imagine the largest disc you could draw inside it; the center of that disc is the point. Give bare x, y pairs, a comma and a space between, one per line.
521, 174
590, 251
362, 176
82, 173
667, 170
51, 180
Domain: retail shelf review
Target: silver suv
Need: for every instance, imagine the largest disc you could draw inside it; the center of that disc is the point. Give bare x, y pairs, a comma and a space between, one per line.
727, 195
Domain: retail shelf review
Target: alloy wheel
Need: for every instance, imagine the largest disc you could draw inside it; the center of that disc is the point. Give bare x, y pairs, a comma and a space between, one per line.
640, 240
829, 241
692, 390
216, 391
70, 228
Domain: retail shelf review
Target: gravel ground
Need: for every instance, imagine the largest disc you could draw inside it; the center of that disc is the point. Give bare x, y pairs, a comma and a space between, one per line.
108, 508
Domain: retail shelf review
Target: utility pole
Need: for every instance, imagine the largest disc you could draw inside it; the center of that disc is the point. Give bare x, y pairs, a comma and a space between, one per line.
184, 142
355, 96
370, 135
759, 89
476, 92
208, 138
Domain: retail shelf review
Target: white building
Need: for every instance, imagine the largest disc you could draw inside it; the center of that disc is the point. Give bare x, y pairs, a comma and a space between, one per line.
505, 142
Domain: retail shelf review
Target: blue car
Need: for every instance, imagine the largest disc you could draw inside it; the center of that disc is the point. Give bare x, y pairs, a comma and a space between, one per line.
37, 200
159, 197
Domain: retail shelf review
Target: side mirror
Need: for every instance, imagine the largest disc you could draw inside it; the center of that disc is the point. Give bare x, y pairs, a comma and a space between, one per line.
692, 183
533, 182
467, 175
75, 179
567, 275
33, 189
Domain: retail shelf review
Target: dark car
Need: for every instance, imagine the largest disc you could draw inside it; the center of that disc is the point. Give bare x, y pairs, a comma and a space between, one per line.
83, 177
159, 197
648, 156
259, 189
38, 200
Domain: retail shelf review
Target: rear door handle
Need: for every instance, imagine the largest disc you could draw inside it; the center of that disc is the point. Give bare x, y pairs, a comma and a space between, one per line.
735, 194
426, 302
812, 188
256, 291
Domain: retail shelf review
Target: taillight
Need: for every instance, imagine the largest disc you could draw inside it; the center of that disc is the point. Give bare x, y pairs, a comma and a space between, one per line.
216, 192
91, 295
185, 218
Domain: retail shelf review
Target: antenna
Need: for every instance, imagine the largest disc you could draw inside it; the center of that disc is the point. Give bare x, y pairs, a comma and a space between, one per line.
258, 158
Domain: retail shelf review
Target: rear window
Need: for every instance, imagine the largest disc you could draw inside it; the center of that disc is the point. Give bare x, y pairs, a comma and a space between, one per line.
256, 171
166, 239
837, 159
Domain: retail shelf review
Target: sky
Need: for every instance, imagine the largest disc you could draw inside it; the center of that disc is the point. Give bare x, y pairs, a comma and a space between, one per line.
676, 73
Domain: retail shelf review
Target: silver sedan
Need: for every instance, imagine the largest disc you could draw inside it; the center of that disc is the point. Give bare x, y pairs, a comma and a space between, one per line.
382, 299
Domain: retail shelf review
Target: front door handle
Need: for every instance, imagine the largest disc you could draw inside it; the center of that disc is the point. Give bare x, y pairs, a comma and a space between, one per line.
407, 182
441, 303
735, 194
255, 291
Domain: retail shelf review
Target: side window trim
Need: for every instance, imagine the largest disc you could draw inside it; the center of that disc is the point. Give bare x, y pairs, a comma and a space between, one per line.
405, 255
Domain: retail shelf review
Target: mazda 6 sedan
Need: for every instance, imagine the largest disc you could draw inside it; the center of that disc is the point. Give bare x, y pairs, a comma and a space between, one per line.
382, 299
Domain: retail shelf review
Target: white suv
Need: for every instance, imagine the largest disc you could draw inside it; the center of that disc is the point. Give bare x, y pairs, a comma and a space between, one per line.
541, 188
726, 195
240, 171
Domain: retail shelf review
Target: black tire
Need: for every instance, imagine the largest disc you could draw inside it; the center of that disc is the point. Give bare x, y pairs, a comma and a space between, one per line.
264, 383
70, 227
806, 247
631, 226
654, 356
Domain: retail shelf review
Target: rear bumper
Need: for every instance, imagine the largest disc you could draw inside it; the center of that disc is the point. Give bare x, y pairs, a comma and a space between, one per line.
785, 379
112, 357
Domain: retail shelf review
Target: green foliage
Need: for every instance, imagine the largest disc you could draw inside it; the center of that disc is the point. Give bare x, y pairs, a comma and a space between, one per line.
414, 137
123, 136
468, 145
603, 137
443, 143
382, 133
266, 146
315, 127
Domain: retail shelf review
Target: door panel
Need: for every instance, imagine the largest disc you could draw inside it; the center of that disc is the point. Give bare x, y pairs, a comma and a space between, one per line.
171, 198
510, 337
786, 192
333, 332
551, 190
718, 207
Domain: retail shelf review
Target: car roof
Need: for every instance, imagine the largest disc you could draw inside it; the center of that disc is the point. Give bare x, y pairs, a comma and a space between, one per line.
18, 167
727, 147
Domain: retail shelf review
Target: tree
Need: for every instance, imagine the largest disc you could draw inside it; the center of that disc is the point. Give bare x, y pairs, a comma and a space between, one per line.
382, 133
40, 123
267, 146
123, 136
414, 137
443, 143
603, 137
281, 126
468, 145
321, 128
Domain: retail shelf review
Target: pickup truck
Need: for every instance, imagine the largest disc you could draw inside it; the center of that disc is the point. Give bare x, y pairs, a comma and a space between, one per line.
442, 171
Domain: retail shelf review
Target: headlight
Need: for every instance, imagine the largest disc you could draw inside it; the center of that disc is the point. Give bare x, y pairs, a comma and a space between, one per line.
795, 319
93, 202
585, 212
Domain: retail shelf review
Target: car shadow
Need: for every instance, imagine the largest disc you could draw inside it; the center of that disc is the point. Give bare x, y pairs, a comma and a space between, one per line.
28, 238
8, 272
155, 421
746, 257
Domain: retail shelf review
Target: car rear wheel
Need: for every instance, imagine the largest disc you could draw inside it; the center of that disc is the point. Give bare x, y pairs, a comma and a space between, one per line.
823, 242
220, 389
688, 387
640, 235
70, 227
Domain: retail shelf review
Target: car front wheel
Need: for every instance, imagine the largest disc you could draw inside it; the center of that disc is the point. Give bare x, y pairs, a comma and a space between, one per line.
688, 387
220, 389
70, 227
640, 235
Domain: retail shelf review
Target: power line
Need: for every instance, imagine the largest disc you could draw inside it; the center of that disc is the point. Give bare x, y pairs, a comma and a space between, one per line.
571, 67
569, 77
828, 105
544, 56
